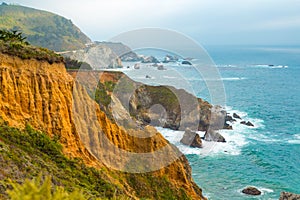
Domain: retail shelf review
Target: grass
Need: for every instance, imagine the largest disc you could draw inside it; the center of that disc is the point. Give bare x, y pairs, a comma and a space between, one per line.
42, 28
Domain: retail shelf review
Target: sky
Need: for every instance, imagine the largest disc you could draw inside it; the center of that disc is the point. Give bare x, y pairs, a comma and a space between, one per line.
209, 22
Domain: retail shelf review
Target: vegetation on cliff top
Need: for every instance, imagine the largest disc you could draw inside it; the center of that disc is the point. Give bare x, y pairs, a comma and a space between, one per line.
13, 43
42, 28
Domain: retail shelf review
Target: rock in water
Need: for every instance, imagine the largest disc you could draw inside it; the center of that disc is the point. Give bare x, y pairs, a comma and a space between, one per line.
251, 191
212, 135
289, 196
236, 116
247, 123
228, 118
191, 139
185, 62
227, 126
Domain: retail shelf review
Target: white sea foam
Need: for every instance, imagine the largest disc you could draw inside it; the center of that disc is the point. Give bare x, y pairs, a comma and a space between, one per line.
297, 136
170, 77
295, 140
279, 67
271, 66
248, 131
219, 79
234, 142
233, 78
236, 139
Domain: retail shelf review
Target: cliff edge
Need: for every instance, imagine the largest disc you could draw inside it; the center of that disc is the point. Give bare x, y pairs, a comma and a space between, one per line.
45, 96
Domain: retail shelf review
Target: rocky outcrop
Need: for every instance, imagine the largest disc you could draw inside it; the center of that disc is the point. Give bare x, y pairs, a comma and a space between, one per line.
170, 58
185, 62
236, 116
182, 110
149, 59
248, 123
164, 106
121, 50
99, 56
228, 118
213, 136
191, 139
251, 191
49, 99
289, 196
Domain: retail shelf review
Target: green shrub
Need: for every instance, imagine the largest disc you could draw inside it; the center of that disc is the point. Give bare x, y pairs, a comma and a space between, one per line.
28, 153
13, 43
36, 190
72, 64
101, 96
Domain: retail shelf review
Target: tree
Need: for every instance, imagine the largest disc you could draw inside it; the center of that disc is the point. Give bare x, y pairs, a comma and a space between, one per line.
12, 36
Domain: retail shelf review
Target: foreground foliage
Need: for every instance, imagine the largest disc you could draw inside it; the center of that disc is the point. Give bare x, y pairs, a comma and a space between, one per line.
28, 153
34, 189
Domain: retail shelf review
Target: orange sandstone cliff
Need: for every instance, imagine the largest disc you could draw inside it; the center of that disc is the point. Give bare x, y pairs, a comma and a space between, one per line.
49, 99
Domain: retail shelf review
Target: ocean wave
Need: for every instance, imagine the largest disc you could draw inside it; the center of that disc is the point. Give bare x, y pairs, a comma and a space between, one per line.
295, 140
268, 66
219, 79
297, 136
234, 142
236, 139
279, 67
170, 77
264, 66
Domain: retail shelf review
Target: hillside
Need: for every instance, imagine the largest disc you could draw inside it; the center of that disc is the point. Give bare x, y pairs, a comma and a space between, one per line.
42, 28
42, 101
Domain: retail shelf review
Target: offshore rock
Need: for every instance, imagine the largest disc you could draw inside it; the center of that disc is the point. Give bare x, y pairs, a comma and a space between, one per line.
236, 116
289, 196
191, 139
214, 136
247, 123
251, 191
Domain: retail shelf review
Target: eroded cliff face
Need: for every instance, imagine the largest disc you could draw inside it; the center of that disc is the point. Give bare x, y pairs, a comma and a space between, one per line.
48, 98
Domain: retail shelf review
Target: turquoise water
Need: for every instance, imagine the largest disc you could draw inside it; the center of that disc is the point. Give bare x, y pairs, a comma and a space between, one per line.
271, 158
261, 85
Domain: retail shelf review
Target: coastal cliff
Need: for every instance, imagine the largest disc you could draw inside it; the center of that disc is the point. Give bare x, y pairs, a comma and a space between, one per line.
50, 100
163, 106
99, 56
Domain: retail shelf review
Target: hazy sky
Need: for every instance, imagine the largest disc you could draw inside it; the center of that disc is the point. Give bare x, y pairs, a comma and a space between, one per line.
207, 21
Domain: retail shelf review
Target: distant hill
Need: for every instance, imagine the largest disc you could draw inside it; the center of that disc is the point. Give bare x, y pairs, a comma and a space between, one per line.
42, 28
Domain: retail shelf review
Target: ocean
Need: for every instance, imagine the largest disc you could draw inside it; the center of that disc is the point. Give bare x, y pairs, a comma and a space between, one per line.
262, 86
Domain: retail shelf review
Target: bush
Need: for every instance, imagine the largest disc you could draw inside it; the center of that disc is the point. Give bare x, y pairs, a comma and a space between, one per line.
36, 190
13, 43
30, 152
75, 64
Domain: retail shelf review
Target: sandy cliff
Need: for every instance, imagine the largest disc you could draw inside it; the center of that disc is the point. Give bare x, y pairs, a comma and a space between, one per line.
48, 98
